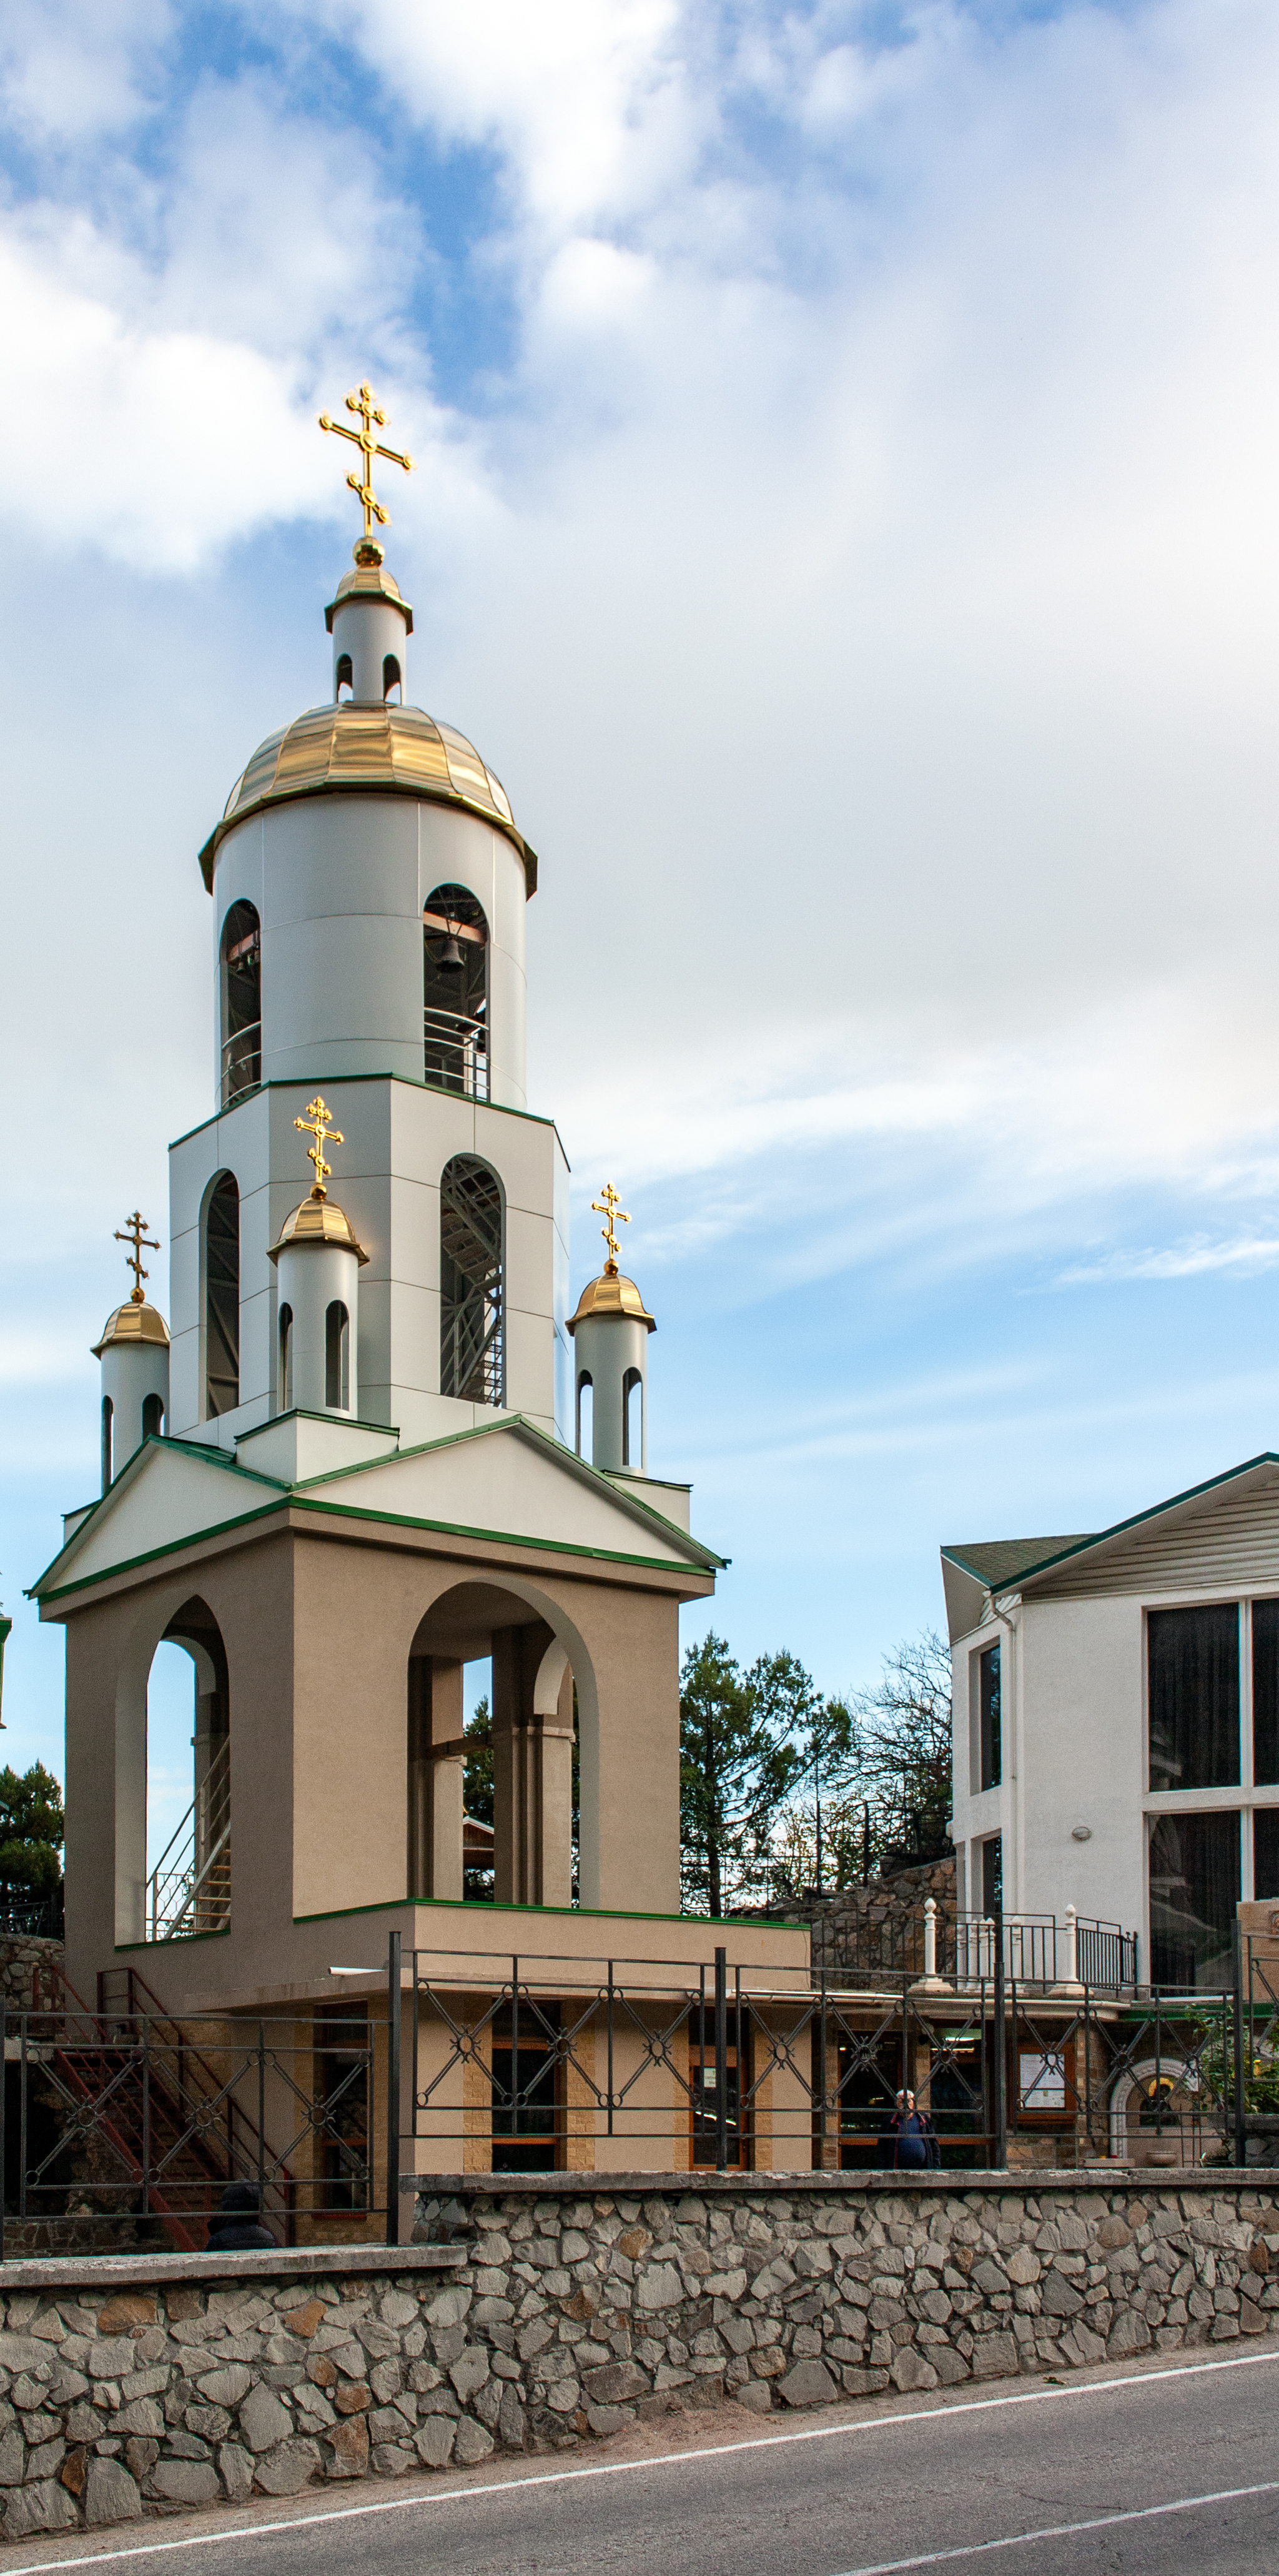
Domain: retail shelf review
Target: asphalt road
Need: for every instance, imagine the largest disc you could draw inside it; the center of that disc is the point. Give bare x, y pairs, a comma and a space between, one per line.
1152, 2473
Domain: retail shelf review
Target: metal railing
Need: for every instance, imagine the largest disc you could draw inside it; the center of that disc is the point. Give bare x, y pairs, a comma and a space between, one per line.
136, 2121
456, 1052
558, 2063
241, 1063
24, 1916
189, 1889
931, 1939
531, 2063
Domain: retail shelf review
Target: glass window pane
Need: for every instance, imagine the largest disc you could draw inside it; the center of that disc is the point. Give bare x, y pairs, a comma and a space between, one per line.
1194, 1889
991, 1732
1194, 1697
1265, 1692
992, 1875
1265, 1853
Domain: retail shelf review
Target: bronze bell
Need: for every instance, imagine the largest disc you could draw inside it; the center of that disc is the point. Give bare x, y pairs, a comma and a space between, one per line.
450, 960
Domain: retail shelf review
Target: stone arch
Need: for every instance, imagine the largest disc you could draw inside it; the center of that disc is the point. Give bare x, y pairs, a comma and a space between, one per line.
540, 1661
1188, 2127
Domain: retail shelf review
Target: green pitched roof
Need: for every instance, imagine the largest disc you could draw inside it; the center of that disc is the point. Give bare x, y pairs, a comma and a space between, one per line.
996, 1561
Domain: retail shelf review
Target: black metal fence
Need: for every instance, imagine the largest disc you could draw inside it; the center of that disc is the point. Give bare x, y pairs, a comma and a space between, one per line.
27, 1917
540, 2063
136, 2123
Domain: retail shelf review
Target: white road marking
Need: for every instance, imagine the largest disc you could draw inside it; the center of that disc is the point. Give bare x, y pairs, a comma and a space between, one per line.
1063, 2530
223, 2537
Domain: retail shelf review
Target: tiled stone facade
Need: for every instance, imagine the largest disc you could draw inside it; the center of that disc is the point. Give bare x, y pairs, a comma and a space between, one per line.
560, 2312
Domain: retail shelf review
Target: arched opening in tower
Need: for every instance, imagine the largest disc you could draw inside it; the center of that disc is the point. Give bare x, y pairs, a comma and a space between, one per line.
472, 1299
455, 936
241, 983
188, 1779
222, 1298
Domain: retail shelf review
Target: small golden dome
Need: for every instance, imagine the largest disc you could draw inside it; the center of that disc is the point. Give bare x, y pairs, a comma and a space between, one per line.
611, 1294
317, 1220
392, 750
370, 581
134, 1322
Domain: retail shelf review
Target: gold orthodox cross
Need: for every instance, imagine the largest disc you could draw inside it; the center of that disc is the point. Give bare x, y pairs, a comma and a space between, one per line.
607, 1207
363, 405
317, 1123
135, 1235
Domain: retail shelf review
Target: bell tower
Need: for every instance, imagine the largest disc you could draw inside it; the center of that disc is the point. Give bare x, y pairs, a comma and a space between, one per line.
368, 884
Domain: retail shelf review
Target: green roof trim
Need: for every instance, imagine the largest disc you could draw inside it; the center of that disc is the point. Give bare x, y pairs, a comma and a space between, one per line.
578, 1913
207, 1451
299, 1082
560, 1455
1064, 1549
507, 1538
292, 1501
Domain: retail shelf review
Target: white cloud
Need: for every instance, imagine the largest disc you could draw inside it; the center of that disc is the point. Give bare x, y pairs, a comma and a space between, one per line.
70, 73
585, 101
1193, 1260
863, 575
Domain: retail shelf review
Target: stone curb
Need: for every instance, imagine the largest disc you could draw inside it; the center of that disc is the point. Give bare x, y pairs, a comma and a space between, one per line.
951, 2182
145, 2271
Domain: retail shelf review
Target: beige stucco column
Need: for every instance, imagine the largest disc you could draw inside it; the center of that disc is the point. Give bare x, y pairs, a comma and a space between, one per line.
629, 1753
532, 1768
436, 1777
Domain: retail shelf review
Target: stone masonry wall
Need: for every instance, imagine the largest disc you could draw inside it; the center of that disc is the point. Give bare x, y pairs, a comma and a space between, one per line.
883, 1913
594, 2310
565, 2307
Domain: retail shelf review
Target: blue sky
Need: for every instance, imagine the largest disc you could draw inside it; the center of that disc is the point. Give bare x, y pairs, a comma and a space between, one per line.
846, 519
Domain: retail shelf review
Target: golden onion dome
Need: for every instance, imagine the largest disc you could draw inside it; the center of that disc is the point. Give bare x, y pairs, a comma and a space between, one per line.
134, 1322
317, 1220
356, 744
611, 1294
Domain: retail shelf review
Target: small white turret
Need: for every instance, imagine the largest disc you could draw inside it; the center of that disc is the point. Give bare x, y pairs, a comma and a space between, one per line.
370, 625
610, 1330
318, 1263
134, 1352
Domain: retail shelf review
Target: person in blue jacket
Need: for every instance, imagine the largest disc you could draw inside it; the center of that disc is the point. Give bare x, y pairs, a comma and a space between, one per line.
910, 2137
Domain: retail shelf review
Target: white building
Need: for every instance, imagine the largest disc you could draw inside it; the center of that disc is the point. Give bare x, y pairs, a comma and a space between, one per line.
1116, 1701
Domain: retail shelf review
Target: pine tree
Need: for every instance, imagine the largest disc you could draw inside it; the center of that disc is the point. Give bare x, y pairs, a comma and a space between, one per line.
735, 1770
32, 1825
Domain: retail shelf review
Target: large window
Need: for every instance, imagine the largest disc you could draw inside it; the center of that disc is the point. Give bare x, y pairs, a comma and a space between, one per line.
988, 1687
1265, 1692
241, 1002
455, 992
471, 1299
1265, 1853
222, 1298
1194, 1889
1194, 1697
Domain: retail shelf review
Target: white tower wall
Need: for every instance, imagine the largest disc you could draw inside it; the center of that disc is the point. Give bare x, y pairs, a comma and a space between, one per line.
339, 883
131, 1371
366, 631
312, 1277
608, 1348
